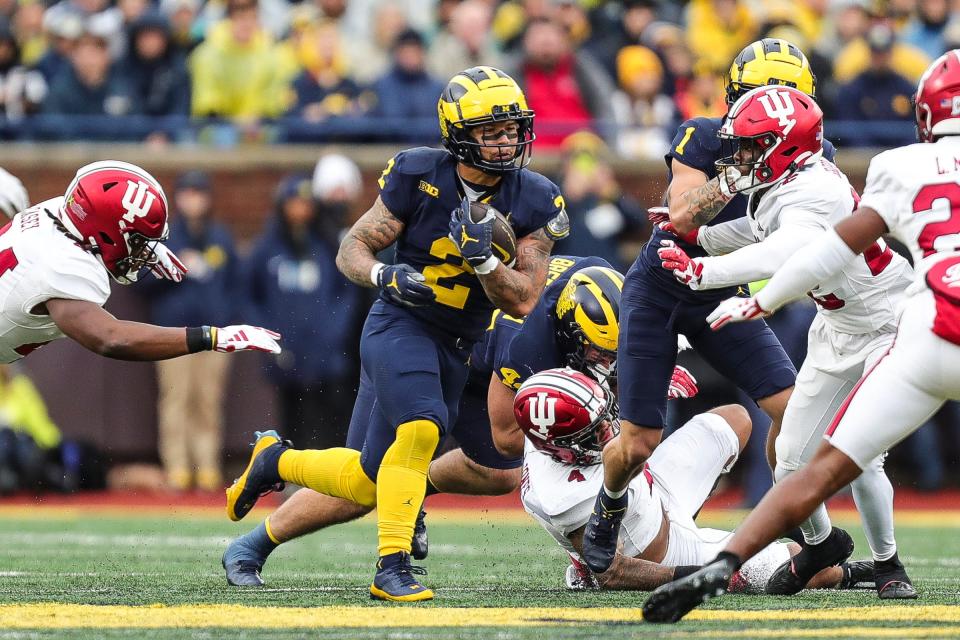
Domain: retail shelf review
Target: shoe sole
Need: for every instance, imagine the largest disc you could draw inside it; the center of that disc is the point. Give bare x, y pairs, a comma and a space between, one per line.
784, 582
379, 594
237, 505
671, 602
898, 590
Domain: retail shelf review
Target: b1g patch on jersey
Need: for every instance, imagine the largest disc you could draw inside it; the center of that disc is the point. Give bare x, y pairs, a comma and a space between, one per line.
558, 227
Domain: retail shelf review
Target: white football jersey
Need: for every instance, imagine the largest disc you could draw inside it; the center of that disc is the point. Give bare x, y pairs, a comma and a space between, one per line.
867, 294
916, 190
561, 497
38, 262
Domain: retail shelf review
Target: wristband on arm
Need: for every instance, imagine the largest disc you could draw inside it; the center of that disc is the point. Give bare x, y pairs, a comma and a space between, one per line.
201, 338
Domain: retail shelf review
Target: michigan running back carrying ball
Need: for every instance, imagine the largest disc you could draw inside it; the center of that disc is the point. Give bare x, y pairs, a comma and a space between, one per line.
435, 302
656, 308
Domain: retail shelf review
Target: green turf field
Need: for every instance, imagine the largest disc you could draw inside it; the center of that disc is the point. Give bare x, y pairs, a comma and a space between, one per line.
160, 577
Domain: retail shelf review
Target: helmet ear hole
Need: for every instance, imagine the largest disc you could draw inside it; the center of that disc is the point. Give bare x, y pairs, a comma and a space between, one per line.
790, 151
106, 239
109, 185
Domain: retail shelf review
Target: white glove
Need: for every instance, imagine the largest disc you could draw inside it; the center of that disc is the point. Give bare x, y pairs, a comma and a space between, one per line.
168, 265
733, 182
735, 310
243, 337
686, 270
682, 384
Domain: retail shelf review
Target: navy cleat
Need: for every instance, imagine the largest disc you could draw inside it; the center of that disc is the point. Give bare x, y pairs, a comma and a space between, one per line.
395, 580
793, 575
857, 575
676, 599
241, 567
260, 477
892, 581
602, 530
420, 545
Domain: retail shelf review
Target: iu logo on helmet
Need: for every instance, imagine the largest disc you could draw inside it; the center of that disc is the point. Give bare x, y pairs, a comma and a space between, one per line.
778, 105
543, 413
136, 201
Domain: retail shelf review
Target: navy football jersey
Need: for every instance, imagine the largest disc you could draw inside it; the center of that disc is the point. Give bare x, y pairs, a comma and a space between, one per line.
421, 188
697, 145
534, 346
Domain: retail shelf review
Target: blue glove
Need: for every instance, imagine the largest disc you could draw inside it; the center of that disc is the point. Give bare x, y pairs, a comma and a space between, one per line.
473, 238
402, 284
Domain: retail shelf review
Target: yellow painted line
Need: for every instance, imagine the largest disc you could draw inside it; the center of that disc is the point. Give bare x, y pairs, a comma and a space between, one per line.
830, 632
61, 616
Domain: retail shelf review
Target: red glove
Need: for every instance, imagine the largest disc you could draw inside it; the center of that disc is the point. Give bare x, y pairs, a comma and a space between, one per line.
685, 269
682, 384
735, 310
658, 215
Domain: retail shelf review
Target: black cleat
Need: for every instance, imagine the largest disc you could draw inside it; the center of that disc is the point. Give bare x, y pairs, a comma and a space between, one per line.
892, 581
857, 575
420, 544
793, 575
676, 599
602, 531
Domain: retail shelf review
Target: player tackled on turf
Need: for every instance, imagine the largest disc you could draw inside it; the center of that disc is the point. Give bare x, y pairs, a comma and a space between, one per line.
913, 193
434, 304
57, 258
568, 418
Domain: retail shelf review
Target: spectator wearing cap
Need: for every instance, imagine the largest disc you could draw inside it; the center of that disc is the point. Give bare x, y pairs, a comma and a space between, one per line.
155, 69
878, 94
324, 88
337, 186
856, 57
602, 217
91, 85
191, 390
236, 71
28, 29
643, 113
293, 285
62, 32
185, 30
22, 90
465, 41
928, 28
406, 96
567, 92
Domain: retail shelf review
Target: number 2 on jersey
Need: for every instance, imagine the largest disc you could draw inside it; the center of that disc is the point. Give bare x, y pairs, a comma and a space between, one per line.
943, 235
452, 295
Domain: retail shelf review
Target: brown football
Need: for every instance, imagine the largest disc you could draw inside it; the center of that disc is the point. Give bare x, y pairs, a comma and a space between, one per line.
504, 239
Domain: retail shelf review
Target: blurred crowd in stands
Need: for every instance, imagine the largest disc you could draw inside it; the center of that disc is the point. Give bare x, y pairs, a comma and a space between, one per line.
229, 71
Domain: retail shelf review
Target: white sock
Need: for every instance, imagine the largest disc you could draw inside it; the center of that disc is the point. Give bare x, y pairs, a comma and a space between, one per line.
614, 494
817, 527
873, 495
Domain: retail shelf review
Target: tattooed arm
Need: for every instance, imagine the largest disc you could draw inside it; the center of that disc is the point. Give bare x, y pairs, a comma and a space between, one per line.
693, 199
516, 291
373, 232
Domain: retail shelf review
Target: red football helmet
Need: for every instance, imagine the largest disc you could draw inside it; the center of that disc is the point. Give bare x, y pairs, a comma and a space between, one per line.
118, 212
937, 102
769, 133
566, 414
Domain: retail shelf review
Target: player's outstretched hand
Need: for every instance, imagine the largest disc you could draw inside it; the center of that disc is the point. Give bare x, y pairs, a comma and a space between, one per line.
658, 215
685, 269
243, 337
682, 384
735, 309
404, 285
168, 265
474, 239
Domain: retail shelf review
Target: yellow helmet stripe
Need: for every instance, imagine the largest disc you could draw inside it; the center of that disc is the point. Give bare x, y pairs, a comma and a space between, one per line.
603, 335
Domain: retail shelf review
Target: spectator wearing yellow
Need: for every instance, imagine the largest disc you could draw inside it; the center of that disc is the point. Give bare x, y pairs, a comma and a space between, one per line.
22, 409
642, 112
237, 71
718, 29
703, 95
906, 60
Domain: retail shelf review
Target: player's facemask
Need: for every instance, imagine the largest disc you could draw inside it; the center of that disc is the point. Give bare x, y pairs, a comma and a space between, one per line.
749, 156
143, 254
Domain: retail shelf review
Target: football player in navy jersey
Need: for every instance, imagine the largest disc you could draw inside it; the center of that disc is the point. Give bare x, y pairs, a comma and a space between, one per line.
656, 308
435, 302
573, 324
